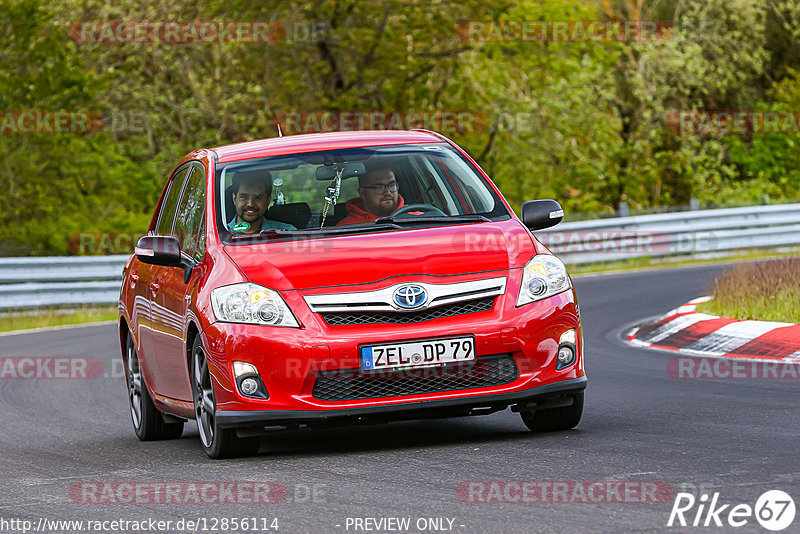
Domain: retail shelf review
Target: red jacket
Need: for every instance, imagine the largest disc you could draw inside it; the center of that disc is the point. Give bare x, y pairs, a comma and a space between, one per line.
357, 214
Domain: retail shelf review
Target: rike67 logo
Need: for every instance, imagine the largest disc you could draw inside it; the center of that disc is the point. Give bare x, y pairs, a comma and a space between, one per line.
774, 510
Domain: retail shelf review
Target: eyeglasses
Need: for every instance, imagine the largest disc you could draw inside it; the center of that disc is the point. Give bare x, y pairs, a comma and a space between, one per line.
380, 188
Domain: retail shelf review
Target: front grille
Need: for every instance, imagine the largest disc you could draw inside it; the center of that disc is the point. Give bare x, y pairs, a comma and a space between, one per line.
353, 384
448, 310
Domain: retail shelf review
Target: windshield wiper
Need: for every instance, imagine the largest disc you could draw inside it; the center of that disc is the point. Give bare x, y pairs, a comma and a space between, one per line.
345, 229
449, 219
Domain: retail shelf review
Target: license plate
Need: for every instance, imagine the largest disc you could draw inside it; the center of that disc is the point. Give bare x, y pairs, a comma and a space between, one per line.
417, 353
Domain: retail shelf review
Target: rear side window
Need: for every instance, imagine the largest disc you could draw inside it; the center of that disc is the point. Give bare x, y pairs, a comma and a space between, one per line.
170, 204
190, 213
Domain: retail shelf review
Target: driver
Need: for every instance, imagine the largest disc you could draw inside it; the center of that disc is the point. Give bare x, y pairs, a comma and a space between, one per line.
252, 191
377, 197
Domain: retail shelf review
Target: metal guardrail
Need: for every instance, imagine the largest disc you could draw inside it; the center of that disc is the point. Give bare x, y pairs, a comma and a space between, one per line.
61, 269
60, 281
18, 296
703, 233
71, 281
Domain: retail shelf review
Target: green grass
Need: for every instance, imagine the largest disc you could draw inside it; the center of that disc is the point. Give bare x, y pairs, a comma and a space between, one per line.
765, 291
24, 320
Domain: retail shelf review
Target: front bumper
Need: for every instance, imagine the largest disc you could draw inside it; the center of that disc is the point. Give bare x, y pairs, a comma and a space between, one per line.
546, 396
290, 360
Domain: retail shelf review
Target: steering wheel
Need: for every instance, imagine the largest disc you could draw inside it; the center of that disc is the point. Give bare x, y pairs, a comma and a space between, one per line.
426, 209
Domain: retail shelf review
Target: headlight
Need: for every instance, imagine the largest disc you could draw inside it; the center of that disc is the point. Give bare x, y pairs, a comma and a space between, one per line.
251, 303
543, 276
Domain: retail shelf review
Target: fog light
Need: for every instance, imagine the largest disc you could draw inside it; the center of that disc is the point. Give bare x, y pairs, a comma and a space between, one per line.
565, 356
249, 386
566, 349
249, 381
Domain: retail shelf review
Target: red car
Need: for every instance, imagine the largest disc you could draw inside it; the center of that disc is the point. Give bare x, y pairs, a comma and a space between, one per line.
344, 278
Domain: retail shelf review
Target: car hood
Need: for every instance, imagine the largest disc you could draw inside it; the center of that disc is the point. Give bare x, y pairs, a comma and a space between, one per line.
366, 258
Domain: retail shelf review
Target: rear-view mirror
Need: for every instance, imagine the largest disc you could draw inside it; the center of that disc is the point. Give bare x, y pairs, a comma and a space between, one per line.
349, 170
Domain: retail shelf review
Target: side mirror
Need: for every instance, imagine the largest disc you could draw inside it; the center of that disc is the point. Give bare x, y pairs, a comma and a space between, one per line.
541, 214
159, 250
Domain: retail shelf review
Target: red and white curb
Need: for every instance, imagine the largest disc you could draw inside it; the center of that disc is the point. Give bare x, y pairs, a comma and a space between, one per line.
686, 331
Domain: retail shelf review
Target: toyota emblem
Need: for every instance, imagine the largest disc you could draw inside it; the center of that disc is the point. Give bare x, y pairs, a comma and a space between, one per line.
410, 297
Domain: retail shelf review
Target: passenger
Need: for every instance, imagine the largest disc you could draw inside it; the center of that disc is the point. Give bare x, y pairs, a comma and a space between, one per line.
377, 197
252, 192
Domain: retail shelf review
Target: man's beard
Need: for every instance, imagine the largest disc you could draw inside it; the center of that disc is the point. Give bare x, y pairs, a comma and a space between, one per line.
386, 208
249, 217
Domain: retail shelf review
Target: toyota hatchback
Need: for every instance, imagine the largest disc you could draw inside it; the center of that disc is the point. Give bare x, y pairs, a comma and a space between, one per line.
344, 278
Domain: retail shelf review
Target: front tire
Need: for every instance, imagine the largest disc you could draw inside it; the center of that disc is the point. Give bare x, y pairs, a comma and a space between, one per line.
217, 442
563, 418
148, 423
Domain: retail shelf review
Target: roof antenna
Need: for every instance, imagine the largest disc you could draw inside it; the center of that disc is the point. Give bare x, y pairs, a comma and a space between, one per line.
278, 126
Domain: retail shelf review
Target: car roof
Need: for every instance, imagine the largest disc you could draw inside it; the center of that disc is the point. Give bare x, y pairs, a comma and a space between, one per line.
294, 144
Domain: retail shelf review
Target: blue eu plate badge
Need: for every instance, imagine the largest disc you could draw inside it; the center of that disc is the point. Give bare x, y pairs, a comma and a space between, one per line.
366, 358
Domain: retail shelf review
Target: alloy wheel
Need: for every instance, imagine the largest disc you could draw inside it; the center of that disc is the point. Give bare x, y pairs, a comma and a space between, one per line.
134, 386
204, 405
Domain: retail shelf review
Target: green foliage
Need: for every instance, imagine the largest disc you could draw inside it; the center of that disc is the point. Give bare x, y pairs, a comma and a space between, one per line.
770, 162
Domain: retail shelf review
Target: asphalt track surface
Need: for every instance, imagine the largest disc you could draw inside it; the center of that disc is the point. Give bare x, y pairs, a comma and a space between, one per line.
736, 437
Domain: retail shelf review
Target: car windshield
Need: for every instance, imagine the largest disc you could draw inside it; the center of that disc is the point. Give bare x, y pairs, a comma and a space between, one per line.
351, 191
